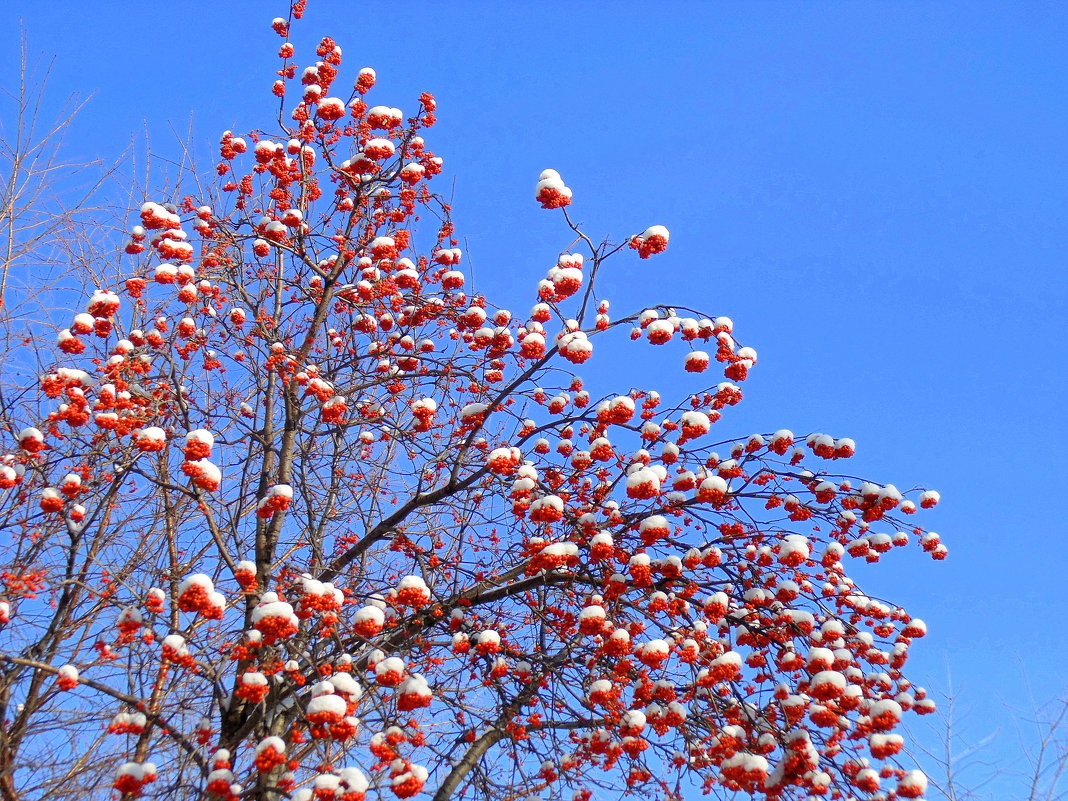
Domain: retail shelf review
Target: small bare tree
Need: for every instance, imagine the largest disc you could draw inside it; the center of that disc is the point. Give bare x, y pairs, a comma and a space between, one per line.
44, 196
970, 769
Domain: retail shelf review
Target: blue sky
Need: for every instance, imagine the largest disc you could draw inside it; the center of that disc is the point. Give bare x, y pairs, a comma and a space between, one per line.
875, 193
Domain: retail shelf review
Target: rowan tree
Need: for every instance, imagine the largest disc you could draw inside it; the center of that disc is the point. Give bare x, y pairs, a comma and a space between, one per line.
296, 513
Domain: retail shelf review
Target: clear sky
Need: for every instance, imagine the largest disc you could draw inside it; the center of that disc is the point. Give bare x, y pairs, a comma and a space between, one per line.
876, 193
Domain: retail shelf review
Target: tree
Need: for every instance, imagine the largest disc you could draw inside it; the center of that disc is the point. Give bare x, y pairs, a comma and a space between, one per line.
294, 513
38, 200
966, 770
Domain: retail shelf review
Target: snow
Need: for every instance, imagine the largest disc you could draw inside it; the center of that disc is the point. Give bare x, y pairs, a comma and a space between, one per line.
196, 580
273, 608
327, 704
592, 612
175, 642
346, 685
354, 779
370, 614
392, 664
412, 582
